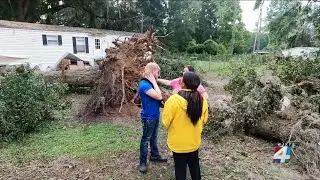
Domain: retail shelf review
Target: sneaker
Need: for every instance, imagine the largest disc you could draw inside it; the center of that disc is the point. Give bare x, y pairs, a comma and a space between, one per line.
158, 159
143, 168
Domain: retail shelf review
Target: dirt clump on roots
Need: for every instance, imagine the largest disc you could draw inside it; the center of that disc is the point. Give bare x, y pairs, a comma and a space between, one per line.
121, 71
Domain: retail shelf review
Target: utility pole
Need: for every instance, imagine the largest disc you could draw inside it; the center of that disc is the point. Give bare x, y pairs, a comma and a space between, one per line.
234, 25
259, 30
142, 23
256, 45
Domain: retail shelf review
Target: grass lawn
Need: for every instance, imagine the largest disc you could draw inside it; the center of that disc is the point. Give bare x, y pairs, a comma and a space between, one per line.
224, 68
217, 67
76, 141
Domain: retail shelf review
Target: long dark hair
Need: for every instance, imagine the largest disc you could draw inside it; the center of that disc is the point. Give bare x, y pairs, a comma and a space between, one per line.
194, 98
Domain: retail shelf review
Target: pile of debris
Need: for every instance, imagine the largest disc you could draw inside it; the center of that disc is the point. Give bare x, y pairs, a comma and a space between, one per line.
275, 112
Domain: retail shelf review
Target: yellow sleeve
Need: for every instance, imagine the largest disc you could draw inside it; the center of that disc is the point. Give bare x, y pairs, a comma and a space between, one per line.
167, 113
205, 112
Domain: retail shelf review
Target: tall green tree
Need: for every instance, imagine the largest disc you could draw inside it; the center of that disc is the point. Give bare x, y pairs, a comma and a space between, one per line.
232, 32
241, 39
263, 41
180, 25
291, 23
112, 14
207, 22
316, 23
28, 10
153, 13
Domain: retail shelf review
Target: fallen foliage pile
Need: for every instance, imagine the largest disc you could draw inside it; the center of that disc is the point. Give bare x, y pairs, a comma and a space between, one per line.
285, 109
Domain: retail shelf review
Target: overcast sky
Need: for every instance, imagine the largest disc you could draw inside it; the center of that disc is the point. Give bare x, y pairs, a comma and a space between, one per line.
249, 16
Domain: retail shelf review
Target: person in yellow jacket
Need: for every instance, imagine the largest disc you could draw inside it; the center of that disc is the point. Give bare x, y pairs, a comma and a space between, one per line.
184, 115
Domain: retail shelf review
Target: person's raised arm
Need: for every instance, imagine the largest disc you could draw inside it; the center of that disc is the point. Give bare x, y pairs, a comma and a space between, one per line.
164, 82
203, 92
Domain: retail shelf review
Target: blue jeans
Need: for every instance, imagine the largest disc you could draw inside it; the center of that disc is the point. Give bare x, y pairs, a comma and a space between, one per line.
150, 134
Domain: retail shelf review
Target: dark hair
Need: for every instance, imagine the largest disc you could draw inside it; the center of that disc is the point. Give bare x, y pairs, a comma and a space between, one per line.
194, 98
191, 68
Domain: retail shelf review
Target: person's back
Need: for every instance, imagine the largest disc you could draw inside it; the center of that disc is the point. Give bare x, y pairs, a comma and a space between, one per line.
150, 106
183, 135
184, 115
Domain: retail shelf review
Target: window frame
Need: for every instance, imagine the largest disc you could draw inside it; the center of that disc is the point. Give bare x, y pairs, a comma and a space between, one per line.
97, 44
51, 40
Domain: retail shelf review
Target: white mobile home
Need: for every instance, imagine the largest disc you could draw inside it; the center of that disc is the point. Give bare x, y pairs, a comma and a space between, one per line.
46, 45
303, 52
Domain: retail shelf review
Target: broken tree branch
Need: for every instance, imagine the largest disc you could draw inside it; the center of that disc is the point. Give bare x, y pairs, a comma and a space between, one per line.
134, 97
123, 88
161, 48
165, 35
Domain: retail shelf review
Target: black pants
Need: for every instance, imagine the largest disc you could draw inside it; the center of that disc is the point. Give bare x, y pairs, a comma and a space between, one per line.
180, 164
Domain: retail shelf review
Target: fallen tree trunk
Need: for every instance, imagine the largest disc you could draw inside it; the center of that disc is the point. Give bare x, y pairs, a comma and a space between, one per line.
272, 129
79, 78
303, 132
310, 85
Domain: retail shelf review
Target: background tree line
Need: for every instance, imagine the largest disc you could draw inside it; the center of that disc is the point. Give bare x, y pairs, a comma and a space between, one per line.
212, 26
292, 23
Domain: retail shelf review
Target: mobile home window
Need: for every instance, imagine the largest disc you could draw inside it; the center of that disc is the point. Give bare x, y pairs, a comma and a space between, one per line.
80, 45
51, 40
97, 43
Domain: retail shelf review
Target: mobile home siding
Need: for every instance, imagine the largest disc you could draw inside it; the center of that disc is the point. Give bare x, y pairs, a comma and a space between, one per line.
29, 44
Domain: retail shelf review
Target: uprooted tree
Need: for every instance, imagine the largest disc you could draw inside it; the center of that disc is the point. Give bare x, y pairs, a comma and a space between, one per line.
266, 107
120, 73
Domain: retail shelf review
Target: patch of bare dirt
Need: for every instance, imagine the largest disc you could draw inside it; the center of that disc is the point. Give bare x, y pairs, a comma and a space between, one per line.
234, 157
128, 114
216, 90
78, 102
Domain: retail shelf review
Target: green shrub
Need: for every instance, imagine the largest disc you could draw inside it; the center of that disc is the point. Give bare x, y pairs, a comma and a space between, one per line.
243, 80
254, 101
171, 68
297, 70
192, 43
26, 101
222, 49
196, 49
211, 47
208, 47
